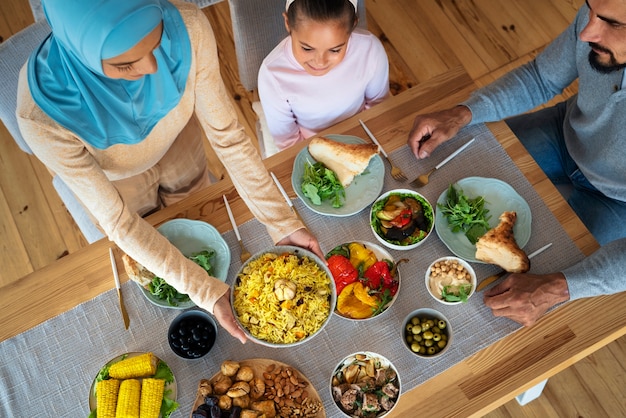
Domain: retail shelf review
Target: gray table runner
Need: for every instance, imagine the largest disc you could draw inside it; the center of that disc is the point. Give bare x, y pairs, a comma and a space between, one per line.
47, 371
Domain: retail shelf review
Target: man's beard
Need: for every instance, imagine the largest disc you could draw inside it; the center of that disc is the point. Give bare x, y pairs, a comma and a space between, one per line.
594, 61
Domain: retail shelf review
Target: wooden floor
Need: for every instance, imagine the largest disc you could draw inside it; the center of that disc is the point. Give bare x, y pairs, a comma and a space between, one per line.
483, 37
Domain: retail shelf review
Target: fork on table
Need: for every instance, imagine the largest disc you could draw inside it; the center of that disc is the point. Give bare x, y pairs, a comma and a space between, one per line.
396, 172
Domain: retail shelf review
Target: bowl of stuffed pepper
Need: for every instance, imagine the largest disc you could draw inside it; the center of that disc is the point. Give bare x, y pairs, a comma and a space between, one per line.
366, 277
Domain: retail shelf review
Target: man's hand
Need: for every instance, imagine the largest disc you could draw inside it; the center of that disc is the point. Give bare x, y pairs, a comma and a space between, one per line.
224, 315
302, 238
524, 298
433, 129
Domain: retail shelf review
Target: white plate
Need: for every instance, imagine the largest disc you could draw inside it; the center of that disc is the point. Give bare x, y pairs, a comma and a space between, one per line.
363, 190
170, 388
499, 197
192, 236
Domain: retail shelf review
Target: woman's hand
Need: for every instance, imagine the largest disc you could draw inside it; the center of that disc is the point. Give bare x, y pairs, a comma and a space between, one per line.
432, 129
524, 298
224, 315
304, 239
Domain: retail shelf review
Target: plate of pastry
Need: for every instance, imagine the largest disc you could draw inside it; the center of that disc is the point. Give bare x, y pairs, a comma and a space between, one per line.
499, 198
357, 168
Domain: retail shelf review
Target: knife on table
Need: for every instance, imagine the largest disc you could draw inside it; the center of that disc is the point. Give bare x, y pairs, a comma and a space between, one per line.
118, 286
496, 276
284, 193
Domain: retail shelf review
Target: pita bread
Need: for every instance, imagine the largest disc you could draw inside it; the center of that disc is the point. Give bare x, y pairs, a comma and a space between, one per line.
137, 272
498, 246
346, 160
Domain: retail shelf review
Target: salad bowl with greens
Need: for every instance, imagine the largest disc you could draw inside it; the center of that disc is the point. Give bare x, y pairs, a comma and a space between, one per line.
402, 219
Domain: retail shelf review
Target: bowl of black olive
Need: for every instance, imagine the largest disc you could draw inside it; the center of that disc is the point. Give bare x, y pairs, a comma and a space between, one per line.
402, 219
192, 334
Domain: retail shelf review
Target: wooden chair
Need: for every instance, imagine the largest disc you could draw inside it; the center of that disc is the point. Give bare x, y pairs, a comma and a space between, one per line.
258, 26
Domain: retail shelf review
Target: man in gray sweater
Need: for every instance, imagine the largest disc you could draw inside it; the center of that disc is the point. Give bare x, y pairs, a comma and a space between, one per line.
580, 142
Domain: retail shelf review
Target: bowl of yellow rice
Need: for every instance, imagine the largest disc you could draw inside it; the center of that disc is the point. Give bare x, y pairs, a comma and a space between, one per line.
283, 296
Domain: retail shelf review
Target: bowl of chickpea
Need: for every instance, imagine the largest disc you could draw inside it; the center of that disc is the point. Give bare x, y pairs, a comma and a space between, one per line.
426, 333
450, 280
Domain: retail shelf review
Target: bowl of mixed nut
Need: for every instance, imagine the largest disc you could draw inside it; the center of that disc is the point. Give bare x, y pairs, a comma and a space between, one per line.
450, 280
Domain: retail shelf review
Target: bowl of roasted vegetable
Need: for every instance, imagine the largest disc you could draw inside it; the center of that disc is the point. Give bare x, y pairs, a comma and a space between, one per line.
365, 384
401, 219
366, 278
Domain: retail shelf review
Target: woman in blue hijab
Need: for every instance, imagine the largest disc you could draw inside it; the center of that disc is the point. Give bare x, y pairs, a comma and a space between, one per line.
116, 101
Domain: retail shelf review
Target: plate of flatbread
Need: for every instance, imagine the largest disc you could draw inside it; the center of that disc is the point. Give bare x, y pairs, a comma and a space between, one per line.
363, 189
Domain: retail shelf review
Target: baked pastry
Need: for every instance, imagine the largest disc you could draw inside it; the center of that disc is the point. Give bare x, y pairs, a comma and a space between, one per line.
498, 246
137, 272
346, 160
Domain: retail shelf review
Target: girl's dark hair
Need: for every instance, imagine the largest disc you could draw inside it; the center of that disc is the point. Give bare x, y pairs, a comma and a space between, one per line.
322, 11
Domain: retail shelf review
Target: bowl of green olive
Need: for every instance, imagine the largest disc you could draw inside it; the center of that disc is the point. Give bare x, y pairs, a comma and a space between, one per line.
426, 333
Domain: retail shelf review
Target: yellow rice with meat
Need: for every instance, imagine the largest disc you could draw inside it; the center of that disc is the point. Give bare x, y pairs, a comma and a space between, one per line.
268, 318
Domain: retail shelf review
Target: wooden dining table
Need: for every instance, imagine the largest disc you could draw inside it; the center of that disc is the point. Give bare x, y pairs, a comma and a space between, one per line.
472, 387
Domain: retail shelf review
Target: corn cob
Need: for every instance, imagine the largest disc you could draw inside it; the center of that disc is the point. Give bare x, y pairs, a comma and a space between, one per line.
151, 397
142, 365
128, 399
106, 397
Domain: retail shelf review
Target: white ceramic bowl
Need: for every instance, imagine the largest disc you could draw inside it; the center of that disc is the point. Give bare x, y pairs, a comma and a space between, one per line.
381, 254
379, 230
347, 371
256, 304
192, 334
433, 285
192, 236
410, 337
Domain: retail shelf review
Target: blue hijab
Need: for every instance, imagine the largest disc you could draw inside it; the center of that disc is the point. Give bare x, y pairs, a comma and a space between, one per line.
65, 73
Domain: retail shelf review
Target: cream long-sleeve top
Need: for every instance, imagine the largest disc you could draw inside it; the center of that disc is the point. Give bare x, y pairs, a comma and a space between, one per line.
88, 171
297, 104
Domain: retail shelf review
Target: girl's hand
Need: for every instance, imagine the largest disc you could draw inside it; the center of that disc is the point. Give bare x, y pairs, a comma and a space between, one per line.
432, 129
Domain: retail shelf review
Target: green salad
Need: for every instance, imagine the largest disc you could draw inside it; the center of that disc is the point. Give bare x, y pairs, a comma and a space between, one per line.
320, 183
163, 291
464, 214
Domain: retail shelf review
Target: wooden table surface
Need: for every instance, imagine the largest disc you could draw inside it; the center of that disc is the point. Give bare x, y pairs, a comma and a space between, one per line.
472, 387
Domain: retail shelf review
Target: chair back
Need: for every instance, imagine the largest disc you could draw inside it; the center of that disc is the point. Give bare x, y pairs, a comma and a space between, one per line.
14, 53
258, 26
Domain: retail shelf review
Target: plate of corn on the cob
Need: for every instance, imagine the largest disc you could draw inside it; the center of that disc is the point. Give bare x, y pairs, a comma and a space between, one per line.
133, 384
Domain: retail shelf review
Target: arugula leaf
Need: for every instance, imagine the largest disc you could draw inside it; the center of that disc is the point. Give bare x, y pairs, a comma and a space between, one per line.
162, 290
466, 215
320, 183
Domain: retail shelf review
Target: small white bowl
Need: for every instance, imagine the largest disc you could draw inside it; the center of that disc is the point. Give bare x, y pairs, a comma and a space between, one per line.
425, 314
433, 288
341, 375
375, 222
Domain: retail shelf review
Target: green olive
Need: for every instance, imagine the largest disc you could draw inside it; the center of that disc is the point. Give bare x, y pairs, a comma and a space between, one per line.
431, 351
409, 326
409, 339
436, 330
436, 337
415, 320
428, 335
418, 338
441, 344
428, 343
441, 324
425, 326
416, 329
430, 323
415, 347
422, 350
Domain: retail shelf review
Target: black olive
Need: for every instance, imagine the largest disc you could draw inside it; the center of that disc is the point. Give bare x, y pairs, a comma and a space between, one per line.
216, 412
198, 413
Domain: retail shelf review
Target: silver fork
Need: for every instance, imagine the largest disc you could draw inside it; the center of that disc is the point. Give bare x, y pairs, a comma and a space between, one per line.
396, 172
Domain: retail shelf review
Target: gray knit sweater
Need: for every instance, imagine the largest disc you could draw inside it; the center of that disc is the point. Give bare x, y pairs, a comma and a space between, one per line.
594, 131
